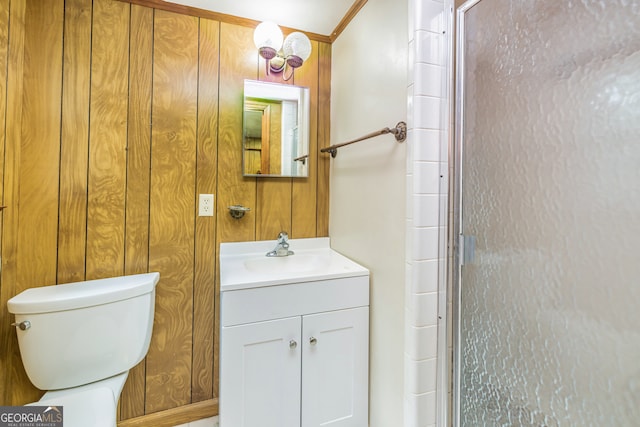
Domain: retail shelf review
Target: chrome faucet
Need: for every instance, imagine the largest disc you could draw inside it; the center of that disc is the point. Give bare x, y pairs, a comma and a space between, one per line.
282, 247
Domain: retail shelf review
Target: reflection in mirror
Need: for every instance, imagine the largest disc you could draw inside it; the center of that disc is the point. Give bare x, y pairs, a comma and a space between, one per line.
275, 130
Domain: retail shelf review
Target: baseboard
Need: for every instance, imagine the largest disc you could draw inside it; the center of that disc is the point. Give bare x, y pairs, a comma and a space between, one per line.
175, 416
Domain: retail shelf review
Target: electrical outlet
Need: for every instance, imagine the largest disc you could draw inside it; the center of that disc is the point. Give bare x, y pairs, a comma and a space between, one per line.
205, 205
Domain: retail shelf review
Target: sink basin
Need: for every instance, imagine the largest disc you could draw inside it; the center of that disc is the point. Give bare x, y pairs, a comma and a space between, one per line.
245, 264
289, 264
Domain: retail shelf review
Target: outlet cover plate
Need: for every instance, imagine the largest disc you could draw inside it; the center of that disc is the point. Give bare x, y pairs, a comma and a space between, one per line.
205, 205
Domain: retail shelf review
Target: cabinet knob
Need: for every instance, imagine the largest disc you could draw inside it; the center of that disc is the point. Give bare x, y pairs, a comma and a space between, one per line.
293, 344
313, 340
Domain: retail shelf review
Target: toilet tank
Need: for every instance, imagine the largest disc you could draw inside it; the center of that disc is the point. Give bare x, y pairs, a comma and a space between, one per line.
86, 331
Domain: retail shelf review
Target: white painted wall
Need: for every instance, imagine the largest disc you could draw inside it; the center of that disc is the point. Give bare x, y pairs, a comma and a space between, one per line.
368, 207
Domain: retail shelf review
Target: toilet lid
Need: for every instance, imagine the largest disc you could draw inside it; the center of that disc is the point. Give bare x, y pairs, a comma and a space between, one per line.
95, 407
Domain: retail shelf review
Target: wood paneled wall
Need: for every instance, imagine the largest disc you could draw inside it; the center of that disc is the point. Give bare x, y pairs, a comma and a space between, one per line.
113, 118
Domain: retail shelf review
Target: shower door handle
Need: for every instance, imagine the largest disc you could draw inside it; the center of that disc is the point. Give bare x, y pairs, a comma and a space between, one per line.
466, 249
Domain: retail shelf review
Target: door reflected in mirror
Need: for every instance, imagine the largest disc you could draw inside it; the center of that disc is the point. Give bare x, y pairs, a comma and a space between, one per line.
275, 133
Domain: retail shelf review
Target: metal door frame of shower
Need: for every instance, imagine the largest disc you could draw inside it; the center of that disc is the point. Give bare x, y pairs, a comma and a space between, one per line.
457, 77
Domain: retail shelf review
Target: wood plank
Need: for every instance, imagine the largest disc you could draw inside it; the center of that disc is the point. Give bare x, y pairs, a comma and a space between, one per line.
275, 136
324, 137
304, 191
11, 369
107, 139
75, 141
139, 140
175, 416
40, 144
273, 207
33, 139
204, 295
238, 61
173, 183
265, 153
138, 178
4, 59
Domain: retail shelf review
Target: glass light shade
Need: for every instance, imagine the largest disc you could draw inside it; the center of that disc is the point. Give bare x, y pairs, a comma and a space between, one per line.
297, 44
268, 34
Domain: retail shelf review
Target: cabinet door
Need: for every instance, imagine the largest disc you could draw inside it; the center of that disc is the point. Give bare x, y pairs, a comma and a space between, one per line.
260, 374
335, 368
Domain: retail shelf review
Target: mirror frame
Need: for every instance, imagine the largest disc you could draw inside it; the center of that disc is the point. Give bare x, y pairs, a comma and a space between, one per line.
264, 97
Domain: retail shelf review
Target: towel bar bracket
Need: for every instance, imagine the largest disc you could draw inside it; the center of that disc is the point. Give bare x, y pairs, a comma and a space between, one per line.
400, 131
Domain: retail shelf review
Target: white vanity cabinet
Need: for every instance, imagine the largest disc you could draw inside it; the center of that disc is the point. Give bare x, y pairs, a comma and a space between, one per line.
260, 378
295, 354
335, 355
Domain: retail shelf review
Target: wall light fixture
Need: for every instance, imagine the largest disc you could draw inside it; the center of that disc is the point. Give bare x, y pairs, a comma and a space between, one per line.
292, 52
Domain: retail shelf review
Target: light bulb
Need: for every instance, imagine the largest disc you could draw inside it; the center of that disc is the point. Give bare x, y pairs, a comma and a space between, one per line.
268, 39
296, 48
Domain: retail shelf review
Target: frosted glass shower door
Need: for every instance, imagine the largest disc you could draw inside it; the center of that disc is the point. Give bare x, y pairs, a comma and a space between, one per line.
548, 148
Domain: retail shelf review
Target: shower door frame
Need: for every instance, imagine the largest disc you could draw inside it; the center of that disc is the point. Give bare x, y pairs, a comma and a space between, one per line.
590, 310
456, 235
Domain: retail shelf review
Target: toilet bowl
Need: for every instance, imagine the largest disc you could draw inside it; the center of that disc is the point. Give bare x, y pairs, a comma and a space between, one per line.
78, 342
91, 405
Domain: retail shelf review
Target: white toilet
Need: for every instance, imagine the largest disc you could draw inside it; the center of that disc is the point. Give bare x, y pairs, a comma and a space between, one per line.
79, 340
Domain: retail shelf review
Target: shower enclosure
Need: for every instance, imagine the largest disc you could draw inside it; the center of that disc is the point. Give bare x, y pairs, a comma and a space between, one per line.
547, 288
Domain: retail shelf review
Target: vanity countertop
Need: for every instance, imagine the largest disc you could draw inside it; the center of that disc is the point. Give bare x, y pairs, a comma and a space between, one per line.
245, 264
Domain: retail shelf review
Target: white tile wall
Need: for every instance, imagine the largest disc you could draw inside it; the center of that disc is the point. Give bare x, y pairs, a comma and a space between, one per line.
427, 16
426, 111
429, 84
424, 406
425, 243
429, 148
424, 276
427, 198
429, 47
426, 177
422, 342
426, 210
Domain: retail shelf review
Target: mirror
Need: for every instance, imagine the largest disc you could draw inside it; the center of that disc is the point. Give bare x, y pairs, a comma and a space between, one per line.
275, 134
